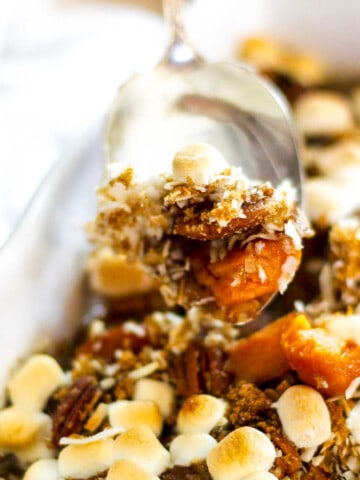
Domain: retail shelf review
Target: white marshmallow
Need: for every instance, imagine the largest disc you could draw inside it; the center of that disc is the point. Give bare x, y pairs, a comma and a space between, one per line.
39, 448
304, 416
260, 476
19, 428
125, 470
346, 327
199, 162
158, 392
140, 445
83, 461
244, 451
43, 470
189, 448
326, 201
133, 413
200, 414
323, 113
34, 382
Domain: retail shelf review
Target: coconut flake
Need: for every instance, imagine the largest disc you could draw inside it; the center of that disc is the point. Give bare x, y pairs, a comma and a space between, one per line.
144, 371
109, 432
351, 389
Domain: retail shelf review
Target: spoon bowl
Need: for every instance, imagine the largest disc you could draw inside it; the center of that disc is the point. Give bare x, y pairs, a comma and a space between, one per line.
185, 100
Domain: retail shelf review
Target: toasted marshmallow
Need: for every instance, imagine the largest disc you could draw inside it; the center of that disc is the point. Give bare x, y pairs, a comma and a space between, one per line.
43, 470
40, 447
199, 162
83, 461
191, 447
304, 416
200, 414
322, 113
263, 52
305, 69
346, 327
108, 270
244, 451
326, 201
140, 445
34, 382
132, 413
156, 391
19, 428
125, 470
260, 476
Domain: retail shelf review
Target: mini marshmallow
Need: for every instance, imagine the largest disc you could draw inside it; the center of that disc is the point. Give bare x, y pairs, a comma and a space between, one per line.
43, 470
304, 416
34, 382
83, 461
190, 448
125, 470
19, 428
199, 162
260, 476
200, 414
107, 271
158, 392
263, 52
244, 451
327, 201
39, 447
323, 113
140, 445
132, 413
346, 327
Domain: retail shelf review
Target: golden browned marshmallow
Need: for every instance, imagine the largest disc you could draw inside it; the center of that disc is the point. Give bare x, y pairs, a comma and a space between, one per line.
45, 469
86, 460
321, 113
260, 476
19, 428
112, 276
191, 447
326, 201
355, 97
244, 451
346, 327
304, 416
140, 445
200, 414
156, 391
126, 470
263, 52
306, 69
132, 413
199, 162
34, 382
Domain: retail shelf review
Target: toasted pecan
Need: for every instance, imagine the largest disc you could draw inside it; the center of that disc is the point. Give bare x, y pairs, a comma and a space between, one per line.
199, 369
74, 408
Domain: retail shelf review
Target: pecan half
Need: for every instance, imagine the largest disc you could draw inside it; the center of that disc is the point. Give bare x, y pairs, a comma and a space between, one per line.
74, 408
199, 369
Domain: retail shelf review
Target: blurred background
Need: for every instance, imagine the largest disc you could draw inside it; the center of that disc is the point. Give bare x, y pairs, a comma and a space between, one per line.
61, 62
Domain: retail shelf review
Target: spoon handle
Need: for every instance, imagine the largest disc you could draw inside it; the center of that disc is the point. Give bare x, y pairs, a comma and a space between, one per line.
180, 52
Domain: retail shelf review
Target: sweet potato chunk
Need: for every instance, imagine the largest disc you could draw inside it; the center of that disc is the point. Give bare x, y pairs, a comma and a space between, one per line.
252, 272
321, 360
260, 357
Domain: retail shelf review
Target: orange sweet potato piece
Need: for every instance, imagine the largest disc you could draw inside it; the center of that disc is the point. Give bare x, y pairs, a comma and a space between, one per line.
321, 360
245, 274
260, 357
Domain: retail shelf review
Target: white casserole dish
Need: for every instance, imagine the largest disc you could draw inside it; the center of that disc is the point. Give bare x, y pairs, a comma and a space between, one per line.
41, 264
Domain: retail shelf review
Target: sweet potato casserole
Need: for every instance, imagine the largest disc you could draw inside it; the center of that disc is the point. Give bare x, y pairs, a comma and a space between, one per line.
162, 383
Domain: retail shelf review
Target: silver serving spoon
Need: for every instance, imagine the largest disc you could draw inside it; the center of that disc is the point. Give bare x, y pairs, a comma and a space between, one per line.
185, 99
